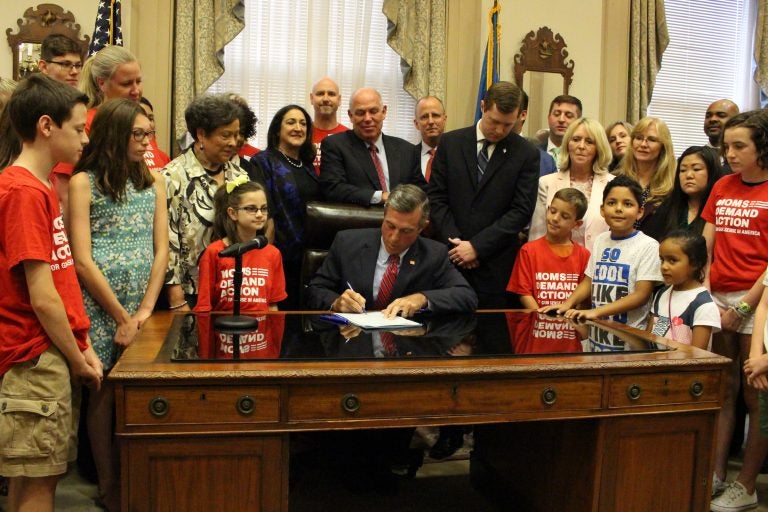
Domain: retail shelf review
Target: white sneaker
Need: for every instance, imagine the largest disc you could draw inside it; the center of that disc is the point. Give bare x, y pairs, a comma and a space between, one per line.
718, 486
734, 499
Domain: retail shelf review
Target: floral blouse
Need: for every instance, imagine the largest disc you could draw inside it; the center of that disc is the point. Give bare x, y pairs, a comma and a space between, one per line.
190, 214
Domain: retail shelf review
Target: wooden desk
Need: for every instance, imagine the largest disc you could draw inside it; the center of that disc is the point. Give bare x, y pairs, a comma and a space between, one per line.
578, 432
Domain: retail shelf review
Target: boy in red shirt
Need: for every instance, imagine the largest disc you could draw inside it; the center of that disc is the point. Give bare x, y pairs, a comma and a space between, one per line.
43, 326
548, 269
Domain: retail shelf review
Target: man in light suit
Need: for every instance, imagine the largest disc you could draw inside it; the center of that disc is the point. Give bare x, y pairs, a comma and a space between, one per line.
425, 279
480, 213
362, 165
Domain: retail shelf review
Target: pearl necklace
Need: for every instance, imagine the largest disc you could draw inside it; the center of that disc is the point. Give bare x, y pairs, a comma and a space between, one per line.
295, 163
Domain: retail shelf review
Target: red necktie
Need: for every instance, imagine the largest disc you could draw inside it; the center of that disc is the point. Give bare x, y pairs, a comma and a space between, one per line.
428, 172
388, 344
387, 282
377, 163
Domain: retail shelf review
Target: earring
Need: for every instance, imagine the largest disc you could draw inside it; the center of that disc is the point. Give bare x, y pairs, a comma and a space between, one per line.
201, 146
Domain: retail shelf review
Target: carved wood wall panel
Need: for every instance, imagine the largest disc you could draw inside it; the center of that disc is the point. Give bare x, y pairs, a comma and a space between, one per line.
545, 52
36, 24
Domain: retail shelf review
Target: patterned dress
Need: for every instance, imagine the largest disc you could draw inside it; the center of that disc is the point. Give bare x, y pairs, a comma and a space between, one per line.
122, 246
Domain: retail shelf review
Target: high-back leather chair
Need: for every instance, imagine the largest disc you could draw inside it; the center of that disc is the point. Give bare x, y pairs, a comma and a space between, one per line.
323, 221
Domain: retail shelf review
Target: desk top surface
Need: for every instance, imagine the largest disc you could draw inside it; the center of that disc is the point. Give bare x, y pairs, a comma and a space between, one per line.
301, 344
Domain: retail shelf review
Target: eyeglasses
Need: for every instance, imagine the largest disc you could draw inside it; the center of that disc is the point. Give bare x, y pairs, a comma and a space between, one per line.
650, 140
66, 64
139, 134
254, 209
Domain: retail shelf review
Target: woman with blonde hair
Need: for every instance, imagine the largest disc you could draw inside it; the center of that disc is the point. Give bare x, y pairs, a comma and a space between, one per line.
113, 72
619, 139
650, 160
582, 164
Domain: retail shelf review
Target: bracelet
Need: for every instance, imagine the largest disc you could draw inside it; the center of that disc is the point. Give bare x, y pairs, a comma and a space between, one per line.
177, 306
742, 309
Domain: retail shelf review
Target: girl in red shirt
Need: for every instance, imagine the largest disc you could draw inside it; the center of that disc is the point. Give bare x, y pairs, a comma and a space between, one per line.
241, 215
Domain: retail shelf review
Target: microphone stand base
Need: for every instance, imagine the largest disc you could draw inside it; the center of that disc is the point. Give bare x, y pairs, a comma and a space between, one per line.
235, 324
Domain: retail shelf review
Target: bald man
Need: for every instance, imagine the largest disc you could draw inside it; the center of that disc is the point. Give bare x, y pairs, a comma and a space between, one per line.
362, 165
717, 114
430, 119
325, 98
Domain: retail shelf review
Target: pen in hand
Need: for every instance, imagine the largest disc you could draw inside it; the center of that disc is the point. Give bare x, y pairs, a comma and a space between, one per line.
353, 290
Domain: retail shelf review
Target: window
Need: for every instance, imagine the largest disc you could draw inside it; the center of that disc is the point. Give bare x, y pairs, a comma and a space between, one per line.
709, 57
287, 46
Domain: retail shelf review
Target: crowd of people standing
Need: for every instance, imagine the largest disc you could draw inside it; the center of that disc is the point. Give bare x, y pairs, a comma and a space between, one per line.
129, 223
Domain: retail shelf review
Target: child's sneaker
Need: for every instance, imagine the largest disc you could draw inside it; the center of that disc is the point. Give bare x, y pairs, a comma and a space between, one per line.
734, 499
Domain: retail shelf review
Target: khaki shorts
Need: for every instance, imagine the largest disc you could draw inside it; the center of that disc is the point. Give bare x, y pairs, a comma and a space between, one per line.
39, 413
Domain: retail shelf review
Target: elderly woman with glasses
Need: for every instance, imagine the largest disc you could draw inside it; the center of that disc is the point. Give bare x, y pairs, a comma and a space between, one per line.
650, 160
192, 179
291, 182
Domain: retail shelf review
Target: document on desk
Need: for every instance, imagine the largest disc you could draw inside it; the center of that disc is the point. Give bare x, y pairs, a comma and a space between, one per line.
377, 320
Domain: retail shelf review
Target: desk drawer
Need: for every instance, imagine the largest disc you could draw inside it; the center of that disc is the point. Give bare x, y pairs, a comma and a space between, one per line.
201, 405
663, 389
403, 400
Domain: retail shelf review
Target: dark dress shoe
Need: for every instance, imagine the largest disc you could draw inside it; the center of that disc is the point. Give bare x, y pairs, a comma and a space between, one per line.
451, 439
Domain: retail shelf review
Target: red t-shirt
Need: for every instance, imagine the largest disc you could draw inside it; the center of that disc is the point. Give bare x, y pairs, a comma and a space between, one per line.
541, 334
317, 137
547, 277
263, 280
32, 228
263, 343
739, 213
248, 151
154, 157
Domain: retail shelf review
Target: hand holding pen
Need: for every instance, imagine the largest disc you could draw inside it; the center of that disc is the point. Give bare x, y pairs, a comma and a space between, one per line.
349, 302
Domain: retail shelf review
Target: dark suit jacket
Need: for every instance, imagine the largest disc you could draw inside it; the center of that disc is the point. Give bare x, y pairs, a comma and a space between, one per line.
489, 214
347, 173
425, 268
546, 163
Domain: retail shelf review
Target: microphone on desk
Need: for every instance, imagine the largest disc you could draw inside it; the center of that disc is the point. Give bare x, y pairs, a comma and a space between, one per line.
243, 247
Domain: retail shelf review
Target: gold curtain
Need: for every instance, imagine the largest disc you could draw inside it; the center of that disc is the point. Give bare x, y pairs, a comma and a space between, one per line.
203, 28
761, 46
648, 38
416, 31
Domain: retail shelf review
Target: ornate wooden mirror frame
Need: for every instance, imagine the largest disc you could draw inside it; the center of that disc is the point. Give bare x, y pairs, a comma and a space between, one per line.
544, 52
37, 24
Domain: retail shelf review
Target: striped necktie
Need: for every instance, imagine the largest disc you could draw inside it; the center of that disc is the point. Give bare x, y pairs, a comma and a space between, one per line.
387, 282
377, 164
482, 160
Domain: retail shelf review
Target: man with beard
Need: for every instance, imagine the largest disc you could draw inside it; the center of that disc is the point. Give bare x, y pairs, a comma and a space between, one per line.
325, 98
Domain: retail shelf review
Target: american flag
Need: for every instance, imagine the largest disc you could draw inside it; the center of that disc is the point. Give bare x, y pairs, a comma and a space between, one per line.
107, 30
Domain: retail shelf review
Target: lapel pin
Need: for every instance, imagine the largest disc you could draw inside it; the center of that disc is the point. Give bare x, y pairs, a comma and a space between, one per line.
503, 150
411, 262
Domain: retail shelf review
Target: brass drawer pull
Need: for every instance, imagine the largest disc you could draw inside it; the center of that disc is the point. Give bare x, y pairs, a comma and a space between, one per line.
696, 389
549, 396
633, 392
159, 407
246, 405
350, 403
